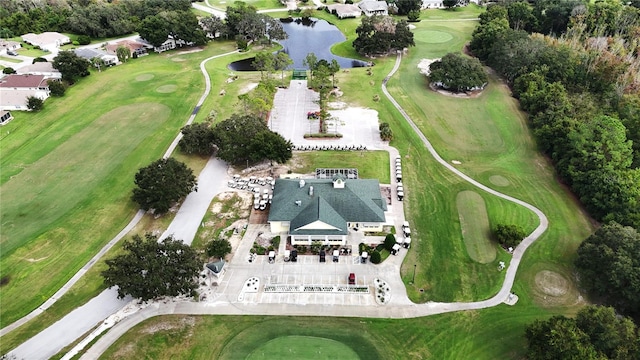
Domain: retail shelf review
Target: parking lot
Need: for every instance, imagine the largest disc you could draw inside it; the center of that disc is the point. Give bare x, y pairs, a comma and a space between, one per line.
358, 126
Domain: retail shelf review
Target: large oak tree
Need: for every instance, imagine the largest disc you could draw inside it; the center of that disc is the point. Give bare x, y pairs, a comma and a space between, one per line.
150, 269
162, 183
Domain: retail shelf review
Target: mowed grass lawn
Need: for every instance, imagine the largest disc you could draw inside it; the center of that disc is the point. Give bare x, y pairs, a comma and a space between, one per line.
67, 171
496, 333
489, 135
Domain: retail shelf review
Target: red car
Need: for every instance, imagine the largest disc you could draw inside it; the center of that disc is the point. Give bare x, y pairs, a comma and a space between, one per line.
352, 279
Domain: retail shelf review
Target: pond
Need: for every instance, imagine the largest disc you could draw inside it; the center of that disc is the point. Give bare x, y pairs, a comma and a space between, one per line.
313, 36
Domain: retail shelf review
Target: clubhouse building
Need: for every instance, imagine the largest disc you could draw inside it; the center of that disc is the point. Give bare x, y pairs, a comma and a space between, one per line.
326, 210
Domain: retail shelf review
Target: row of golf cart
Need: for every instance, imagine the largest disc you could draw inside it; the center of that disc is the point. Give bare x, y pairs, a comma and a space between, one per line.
329, 147
399, 188
405, 241
261, 187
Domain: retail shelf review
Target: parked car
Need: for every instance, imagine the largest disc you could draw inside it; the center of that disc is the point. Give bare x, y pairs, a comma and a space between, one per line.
12, 53
352, 279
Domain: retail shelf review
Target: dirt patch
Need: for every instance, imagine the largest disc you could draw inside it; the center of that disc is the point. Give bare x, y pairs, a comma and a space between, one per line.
551, 283
188, 321
552, 288
248, 88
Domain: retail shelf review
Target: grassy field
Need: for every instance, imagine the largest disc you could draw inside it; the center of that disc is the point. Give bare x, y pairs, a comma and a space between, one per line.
143, 73
370, 164
32, 51
474, 224
79, 166
10, 59
488, 334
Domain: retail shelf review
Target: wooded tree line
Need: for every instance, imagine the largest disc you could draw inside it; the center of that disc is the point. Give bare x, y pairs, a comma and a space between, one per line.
580, 89
97, 19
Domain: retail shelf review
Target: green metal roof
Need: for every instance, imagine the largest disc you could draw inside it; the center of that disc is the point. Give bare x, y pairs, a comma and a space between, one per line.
359, 201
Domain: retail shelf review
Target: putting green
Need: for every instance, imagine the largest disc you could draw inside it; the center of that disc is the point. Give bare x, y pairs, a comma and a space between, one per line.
474, 224
144, 77
499, 180
435, 37
303, 347
167, 88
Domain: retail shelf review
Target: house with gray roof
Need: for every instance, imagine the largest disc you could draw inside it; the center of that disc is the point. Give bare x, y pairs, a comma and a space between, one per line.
90, 54
325, 210
372, 7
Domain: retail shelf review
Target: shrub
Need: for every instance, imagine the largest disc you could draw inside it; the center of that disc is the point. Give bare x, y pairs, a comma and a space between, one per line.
34, 103
83, 40
389, 241
57, 88
218, 248
376, 258
509, 235
8, 70
275, 241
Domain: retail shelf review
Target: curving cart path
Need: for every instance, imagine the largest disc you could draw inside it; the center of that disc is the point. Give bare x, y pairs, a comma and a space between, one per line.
225, 307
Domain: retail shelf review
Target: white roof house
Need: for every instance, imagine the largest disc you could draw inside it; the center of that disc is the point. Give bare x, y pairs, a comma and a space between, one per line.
343, 11
8, 45
40, 68
372, 7
46, 40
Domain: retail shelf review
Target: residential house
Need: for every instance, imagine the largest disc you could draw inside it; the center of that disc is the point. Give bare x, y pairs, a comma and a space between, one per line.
8, 45
47, 40
90, 54
137, 48
344, 11
372, 7
5, 117
40, 68
15, 89
326, 210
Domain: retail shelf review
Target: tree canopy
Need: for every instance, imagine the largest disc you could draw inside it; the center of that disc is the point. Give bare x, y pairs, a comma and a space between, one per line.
243, 138
149, 269
179, 25
458, 73
609, 266
381, 34
197, 139
163, 183
509, 235
70, 65
596, 333
218, 248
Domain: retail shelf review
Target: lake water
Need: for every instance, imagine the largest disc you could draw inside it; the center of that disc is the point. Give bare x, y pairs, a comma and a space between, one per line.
316, 36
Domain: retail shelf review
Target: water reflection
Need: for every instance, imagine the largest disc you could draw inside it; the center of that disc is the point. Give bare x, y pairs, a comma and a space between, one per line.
307, 36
